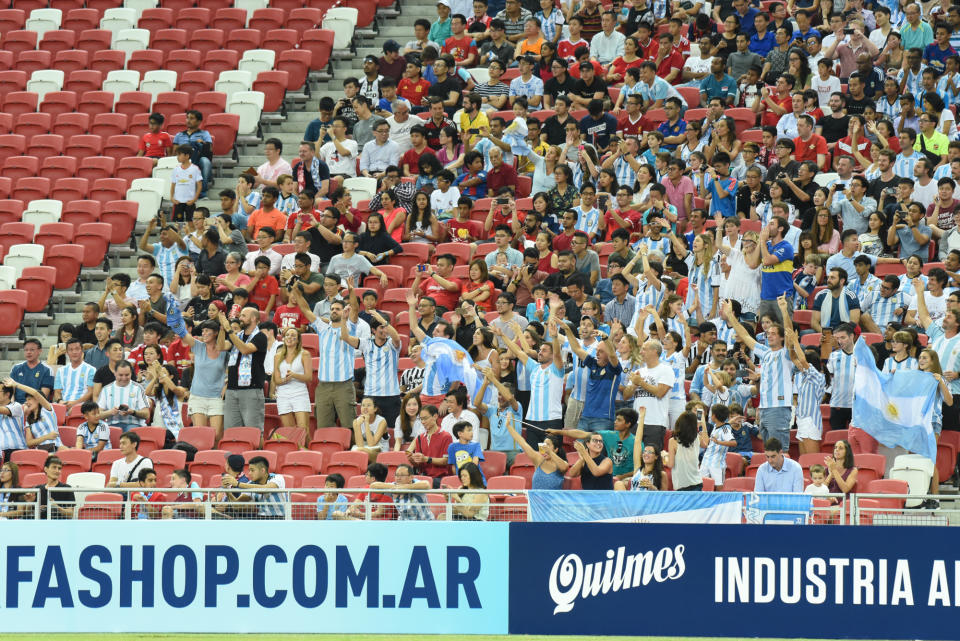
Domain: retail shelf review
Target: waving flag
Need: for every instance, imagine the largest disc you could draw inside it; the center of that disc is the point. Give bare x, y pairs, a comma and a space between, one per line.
896, 409
452, 363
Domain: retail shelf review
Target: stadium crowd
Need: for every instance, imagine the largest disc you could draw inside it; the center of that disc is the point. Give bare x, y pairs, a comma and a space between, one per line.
656, 282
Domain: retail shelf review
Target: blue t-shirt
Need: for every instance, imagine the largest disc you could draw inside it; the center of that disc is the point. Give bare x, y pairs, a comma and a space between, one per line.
500, 439
459, 454
339, 505
726, 205
722, 88
602, 386
35, 377
676, 129
598, 132
834, 320
777, 279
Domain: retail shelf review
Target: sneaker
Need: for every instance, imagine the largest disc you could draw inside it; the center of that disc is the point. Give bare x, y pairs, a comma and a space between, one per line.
931, 504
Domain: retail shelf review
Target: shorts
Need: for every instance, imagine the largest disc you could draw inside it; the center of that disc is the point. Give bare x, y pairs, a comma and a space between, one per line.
183, 211
426, 399
809, 428
294, 403
714, 472
205, 405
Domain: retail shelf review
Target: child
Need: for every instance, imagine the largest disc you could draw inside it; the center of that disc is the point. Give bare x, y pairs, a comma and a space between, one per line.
333, 504
155, 143
714, 462
263, 287
654, 140
288, 203
809, 388
473, 182
818, 486
742, 431
631, 85
93, 434
533, 314
507, 410
461, 228
463, 450
186, 183
805, 281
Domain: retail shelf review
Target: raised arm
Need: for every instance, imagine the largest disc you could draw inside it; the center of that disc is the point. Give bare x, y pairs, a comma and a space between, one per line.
574, 343
923, 314
741, 331
414, 322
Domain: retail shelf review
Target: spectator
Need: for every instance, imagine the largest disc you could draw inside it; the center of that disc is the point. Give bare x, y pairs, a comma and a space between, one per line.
270, 504
264, 238
243, 399
778, 473
268, 215
31, 372
274, 167
202, 143
471, 506
594, 467
380, 153
155, 144
292, 370
910, 232
167, 252
123, 402
836, 304
339, 154
428, 451
53, 504
73, 383
333, 505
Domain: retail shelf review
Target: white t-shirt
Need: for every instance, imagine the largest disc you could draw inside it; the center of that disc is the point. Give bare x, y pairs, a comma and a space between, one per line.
271, 172
444, 201
337, 163
120, 469
696, 64
415, 430
657, 408
184, 182
270, 356
817, 490
936, 305
466, 415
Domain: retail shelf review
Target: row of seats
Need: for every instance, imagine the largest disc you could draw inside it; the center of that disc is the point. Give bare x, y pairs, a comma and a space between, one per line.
100, 7
146, 192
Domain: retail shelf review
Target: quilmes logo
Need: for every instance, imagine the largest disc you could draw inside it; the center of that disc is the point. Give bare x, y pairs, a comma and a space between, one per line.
572, 579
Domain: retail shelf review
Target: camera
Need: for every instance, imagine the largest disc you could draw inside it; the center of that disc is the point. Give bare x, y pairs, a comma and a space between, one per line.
421, 268
502, 201
473, 131
123, 408
290, 283
531, 269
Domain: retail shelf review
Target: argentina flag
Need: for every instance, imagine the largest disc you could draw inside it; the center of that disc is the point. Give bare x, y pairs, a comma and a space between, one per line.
896, 409
452, 363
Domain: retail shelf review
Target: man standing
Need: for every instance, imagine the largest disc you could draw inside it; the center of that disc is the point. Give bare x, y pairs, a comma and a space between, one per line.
776, 277
945, 341
380, 354
649, 387
167, 252
202, 143
31, 372
309, 171
836, 304
122, 403
73, 383
243, 401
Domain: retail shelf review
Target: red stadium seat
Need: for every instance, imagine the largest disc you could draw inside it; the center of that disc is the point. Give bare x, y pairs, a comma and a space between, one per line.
103, 5
84, 80
31, 189
229, 19
105, 190
95, 240
12, 19
78, 212
367, 11
209, 102
46, 145
171, 102
151, 438
80, 458
6, 123
96, 102
107, 61
58, 103
132, 167
69, 124
238, 440
106, 125
118, 147
17, 167
278, 40
67, 259
131, 103
94, 40
84, 146
302, 19
13, 81
32, 124
30, 61
18, 41
223, 128
220, 60
167, 40
156, 19
319, 42
273, 84
166, 461
20, 102
243, 40
204, 40
10, 211
296, 62
267, 19
79, 20
6, 186
196, 81
56, 41
29, 461
95, 167
200, 437
38, 283
67, 189
193, 18
348, 463
145, 60
121, 215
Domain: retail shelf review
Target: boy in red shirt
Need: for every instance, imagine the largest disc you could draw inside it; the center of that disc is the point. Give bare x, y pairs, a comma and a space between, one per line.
155, 144
307, 217
263, 287
289, 315
460, 45
461, 228
413, 86
411, 159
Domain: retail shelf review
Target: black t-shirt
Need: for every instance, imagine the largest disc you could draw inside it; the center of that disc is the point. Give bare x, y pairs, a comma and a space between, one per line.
199, 307
86, 335
877, 186
857, 107
104, 376
257, 375
554, 129
584, 90
745, 198
778, 171
590, 482
554, 87
834, 128
805, 208
443, 89
321, 247
59, 496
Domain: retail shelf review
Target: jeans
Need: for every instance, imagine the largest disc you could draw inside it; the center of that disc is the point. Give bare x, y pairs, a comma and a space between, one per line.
593, 424
206, 170
774, 422
770, 307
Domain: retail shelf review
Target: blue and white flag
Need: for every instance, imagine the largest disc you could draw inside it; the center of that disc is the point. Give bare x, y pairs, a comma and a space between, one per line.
453, 363
636, 507
896, 409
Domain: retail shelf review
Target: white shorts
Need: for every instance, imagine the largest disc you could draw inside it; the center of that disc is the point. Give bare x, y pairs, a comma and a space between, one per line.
809, 428
294, 403
205, 405
714, 472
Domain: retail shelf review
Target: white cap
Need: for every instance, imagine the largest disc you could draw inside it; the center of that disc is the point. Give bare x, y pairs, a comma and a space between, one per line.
445, 3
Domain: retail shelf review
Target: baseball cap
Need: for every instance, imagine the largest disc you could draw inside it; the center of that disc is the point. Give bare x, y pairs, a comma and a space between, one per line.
445, 3
586, 65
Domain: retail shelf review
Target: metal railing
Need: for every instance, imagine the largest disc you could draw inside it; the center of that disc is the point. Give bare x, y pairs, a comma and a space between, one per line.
434, 504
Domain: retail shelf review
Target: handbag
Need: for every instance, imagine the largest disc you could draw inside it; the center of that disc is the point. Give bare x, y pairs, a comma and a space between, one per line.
931, 157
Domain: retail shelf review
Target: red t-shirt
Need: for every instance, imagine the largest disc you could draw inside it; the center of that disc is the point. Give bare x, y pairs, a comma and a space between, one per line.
562, 242
460, 48
485, 305
459, 230
264, 289
136, 356
505, 176
307, 220
435, 446
155, 145
413, 90
810, 149
620, 66
844, 148
412, 157
441, 296
633, 216
627, 128
769, 118
287, 316
650, 50
178, 354
565, 49
671, 61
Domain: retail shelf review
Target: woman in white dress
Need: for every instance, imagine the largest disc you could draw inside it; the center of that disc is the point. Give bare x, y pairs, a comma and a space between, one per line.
292, 370
741, 271
370, 430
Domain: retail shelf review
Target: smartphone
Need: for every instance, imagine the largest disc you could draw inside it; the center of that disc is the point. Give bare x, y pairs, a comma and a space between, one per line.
603, 200
848, 31
473, 131
699, 413
502, 201
123, 408
421, 268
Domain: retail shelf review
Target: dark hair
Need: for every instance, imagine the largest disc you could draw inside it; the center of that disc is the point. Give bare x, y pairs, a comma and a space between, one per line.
378, 471
772, 444
685, 429
476, 477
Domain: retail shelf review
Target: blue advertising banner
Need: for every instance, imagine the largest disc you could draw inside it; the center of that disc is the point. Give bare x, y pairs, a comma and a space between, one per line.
278, 576
636, 507
734, 580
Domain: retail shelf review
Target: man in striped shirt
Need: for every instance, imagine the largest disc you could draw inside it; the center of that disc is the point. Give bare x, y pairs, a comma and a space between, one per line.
271, 504
945, 341
887, 305
123, 403
73, 383
842, 365
380, 358
576, 382
776, 375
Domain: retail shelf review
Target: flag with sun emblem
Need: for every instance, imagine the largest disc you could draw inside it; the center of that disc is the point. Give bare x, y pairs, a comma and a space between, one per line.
896, 409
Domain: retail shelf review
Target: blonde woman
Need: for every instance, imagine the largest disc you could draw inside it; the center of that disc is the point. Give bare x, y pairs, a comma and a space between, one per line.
703, 272
370, 430
292, 370
930, 362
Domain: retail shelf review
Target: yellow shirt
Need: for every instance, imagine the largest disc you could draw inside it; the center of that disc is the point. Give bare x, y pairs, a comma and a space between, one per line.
523, 163
466, 124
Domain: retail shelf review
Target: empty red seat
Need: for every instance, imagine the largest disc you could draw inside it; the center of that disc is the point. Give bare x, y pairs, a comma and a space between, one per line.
12, 145
57, 103
220, 60
17, 233
17, 167
45, 145
67, 259
71, 60
78, 212
132, 103
139, 123
121, 215
296, 62
67, 189
278, 40
103, 5
121, 146
12, 19
30, 61
205, 40
145, 60
93, 40
106, 125
32, 124
66, 5
132, 167
96, 102
83, 146
6, 60
183, 60
35, 188
13, 81
229, 18
243, 40
267, 19
223, 129
79, 20
167, 40
10, 210
19, 40
83, 81
94, 168
51, 234
57, 167
194, 82
6, 185
367, 11
20, 102
209, 102
171, 102
57, 41
6, 123
107, 60
303, 18
193, 19
273, 84
95, 240
156, 19
105, 190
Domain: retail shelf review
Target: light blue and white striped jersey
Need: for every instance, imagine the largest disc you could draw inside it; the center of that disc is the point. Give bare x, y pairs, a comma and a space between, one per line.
132, 396
549, 24
914, 83
678, 364
577, 379
890, 111
843, 366
948, 96
523, 377
46, 424
882, 309
715, 457
811, 384
336, 362
271, 503
948, 349
906, 284
706, 282
903, 165
864, 291
433, 384
891, 365
943, 171
288, 205
661, 245
100, 432
776, 376
669, 325
74, 382
11, 429
167, 260
587, 221
381, 365
624, 172
725, 333
546, 392
648, 296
